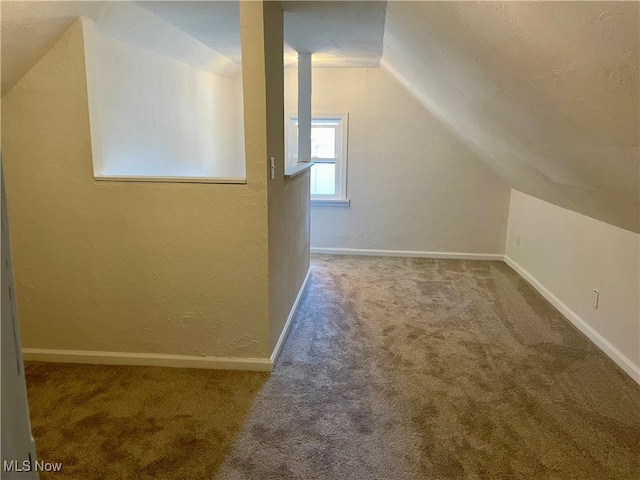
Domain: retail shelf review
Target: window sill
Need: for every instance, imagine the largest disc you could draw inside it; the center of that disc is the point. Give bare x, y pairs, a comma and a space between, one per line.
296, 169
330, 203
144, 178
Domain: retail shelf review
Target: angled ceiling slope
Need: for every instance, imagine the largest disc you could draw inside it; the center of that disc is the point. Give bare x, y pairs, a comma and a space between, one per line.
204, 34
31, 29
546, 93
174, 29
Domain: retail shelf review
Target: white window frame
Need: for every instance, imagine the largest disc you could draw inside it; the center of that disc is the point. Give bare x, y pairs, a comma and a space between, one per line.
342, 131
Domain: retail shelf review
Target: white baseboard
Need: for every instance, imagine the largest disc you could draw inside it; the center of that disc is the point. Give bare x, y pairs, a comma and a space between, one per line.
407, 253
146, 359
287, 325
165, 360
612, 352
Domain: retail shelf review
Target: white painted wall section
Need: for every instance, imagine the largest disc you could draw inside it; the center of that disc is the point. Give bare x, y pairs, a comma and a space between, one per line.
413, 186
152, 115
134, 24
569, 255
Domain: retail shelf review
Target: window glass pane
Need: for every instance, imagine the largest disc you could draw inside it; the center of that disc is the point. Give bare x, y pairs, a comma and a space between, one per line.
323, 142
323, 179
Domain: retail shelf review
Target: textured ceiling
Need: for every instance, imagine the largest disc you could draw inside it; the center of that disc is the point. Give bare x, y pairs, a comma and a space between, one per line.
215, 24
546, 93
204, 34
134, 25
339, 34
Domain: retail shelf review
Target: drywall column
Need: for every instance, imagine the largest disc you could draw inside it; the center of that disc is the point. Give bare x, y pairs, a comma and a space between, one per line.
289, 212
304, 107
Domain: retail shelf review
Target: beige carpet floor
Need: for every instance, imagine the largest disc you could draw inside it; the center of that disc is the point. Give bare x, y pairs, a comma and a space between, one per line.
394, 369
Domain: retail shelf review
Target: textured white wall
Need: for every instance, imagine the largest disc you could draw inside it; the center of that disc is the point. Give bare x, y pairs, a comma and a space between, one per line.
153, 115
571, 255
412, 184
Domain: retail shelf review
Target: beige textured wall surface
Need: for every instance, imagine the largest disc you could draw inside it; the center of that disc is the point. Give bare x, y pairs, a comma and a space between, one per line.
412, 184
571, 255
130, 267
546, 93
288, 198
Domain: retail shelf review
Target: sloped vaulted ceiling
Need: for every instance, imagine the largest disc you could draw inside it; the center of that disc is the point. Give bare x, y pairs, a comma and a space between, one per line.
545, 92
339, 33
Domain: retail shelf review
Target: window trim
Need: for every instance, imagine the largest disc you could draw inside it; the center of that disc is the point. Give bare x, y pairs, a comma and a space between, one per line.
340, 197
296, 169
170, 179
